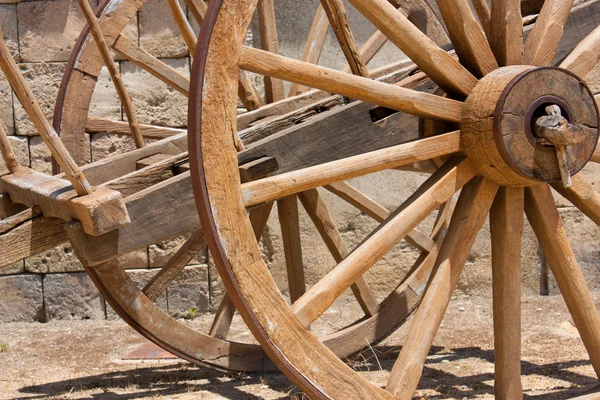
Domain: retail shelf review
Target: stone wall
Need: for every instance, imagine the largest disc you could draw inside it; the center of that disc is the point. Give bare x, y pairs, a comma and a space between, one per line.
52, 285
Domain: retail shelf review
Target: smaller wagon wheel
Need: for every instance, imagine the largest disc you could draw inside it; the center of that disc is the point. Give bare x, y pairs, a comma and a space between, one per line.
163, 178
524, 126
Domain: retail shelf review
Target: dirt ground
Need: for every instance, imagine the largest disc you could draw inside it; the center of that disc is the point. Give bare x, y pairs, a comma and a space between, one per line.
83, 360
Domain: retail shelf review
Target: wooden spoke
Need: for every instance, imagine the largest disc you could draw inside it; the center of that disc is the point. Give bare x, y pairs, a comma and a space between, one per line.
469, 216
279, 186
158, 284
248, 93
583, 196
543, 40
468, 37
547, 225
338, 18
115, 74
318, 212
314, 45
435, 62
355, 87
222, 321
269, 42
483, 12
8, 154
101, 125
184, 26
376, 211
506, 226
198, 9
585, 56
506, 32
289, 220
438, 189
140, 57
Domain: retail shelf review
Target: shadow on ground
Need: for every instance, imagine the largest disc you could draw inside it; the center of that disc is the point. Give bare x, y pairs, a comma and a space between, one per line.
181, 378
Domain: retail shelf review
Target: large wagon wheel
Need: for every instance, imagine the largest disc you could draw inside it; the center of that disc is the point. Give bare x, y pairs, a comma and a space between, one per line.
136, 305
524, 126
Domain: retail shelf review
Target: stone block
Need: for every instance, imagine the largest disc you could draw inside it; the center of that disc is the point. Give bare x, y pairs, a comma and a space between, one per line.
6, 106
105, 100
57, 260
44, 79
72, 296
141, 277
159, 34
22, 298
12, 269
8, 21
160, 253
41, 158
20, 146
48, 30
155, 102
105, 145
189, 291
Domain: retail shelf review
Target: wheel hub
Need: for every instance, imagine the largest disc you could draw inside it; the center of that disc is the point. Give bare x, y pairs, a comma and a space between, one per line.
523, 125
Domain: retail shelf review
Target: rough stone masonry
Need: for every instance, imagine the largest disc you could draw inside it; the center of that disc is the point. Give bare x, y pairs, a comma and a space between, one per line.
52, 285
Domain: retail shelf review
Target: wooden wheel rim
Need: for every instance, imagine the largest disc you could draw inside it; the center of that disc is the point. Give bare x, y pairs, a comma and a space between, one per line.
263, 326
318, 372
72, 106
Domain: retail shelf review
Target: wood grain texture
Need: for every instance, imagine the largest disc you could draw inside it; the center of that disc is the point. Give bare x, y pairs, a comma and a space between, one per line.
468, 37
29, 237
467, 220
543, 40
506, 226
438, 189
506, 32
320, 175
355, 87
547, 225
452, 77
189, 37
100, 212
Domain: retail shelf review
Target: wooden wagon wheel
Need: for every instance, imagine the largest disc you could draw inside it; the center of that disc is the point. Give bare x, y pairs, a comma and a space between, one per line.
524, 125
155, 187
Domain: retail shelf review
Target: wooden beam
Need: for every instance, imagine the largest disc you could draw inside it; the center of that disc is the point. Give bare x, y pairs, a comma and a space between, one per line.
355, 87
506, 32
279, 186
506, 226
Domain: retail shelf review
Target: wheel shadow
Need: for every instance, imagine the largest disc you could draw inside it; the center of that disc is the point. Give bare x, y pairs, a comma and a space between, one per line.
457, 386
158, 382
181, 378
